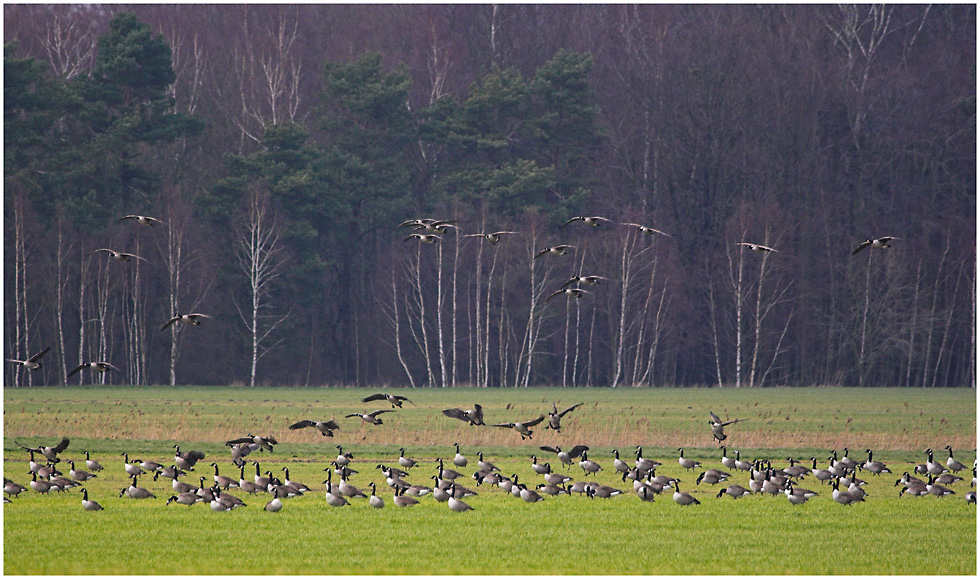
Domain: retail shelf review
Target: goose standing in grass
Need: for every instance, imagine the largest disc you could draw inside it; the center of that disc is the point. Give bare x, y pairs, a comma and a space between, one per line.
485, 465
142, 220
646, 230
171, 472
554, 417
933, 467
334, 499
275, 505
876, 467
42, 486
529, 496
948, 478
554, 478
34, 362
683, 498
937, 489
473, 417
92, 465
566, 458
402, 501
554, 250
371, 418
686, 462
460, 460
132, 469
619, 465
89, 505
644, 465
445, 473
726, 460
880, 243
189, 319
797, 496
951, 463
11, 488
343, 458
523, 428
395, 400
456, 504
718, 426
248, 486
845, 497
118, 255
404, 461
326, 428
590, 467
79, 475
137, 492
299, 487
95, 366
375, 501
822, 475
645, 493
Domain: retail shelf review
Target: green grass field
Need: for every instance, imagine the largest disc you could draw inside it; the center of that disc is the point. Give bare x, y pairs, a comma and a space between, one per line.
51, 534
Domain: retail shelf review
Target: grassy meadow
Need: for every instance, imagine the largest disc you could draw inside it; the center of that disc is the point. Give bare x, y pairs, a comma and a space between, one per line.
51, 534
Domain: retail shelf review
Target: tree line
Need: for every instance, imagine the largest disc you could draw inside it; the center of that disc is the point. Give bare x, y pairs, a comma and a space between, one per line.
288, 150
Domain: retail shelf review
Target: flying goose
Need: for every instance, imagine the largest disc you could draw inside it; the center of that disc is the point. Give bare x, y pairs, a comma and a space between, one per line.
554, 417
718, 426
646, 230
474, 417
572, 292
371, 418
89, 505
460, 460
566, 457
880, 243
186, 460
32, 363
118, 255
326, 428
263, 442
592, 221
414, 223
524, 428
79, 475
555, 250
142, 219
49, 452
683, 498
585, 280
394, 399
686, 462
493, 238
375, 501
189, 319
424, 238
97, 366
757, 248
951, 463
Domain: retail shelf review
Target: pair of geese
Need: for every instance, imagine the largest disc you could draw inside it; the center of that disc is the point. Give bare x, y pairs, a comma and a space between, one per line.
122, 255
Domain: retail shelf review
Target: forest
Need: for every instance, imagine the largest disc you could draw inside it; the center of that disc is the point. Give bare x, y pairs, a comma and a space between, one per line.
326, 180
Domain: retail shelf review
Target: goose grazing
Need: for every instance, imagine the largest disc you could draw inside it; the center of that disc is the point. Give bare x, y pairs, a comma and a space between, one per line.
460, 460
473, 417
371, 418
493, 237
529, 496
523, 428
951, 463
876, 467
554, 478
554, 417
567, 457
456, 504
646, 230
89, 505
572, 292
880, 243
394, 399
34, 362
142, 219
334, 499
718, 426
591, 221
554, 250
686, 462
118, 255
797, 496
937, 489
757, 248
734, 491
186, 498
375, 501
96, 366
402, 501
260, 442
948, 478
11, 488
326, 428
189, 319
683, 498
590, 467
79, 475
709, 478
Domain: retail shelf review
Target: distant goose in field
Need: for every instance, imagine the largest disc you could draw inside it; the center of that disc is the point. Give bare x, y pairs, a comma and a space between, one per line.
49, 452
137, 492
585, 280
132, 469
275, 505
89, 505
263, 442
797, 496
223, 481
375, 501
350, 491
186, 460
708, 478
118, 255
550, 490
460, 460
880, 243
795, 470
567, 457
473, 417
424, 237
951, 463
229, 502
92, 465
180, 486
523, 428
186, 498
646, 230
334, 497
529, 496
933, 467
741, 464
440, 489
554, 478
493, 238
686, 462
619, 465
485, 465
79, 475
343, 458
447, 474
371, 418
876, 467
205, 493
644, 464
262, 481
848, 462
555, 250
189, 319
726, 460
572, 292
590, 467
456, 504
404, 461
591, 221
326, 428
683, 498
247, 485
97, 366
823, 475
401, 500
757, 248
845, 497
394, 399
42, 486
554, 417
142, 220
734, 491
718, 426
34, 362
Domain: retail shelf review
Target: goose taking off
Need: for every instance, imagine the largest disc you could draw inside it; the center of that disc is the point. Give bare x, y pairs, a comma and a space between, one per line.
474, 417
371, 418
34, 362
566, 457
325, 428
394, 399
554, 417
97, 366
880, 243
524, 428
49, 452
718, 426
189, 319
142, 219
118, 255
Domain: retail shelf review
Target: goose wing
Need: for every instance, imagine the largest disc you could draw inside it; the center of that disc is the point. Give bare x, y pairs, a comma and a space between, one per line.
302, 424
862, 246
567, 410
373, 397
457, 413
577, 450
377, 412
39, 355
534, 422
76, 370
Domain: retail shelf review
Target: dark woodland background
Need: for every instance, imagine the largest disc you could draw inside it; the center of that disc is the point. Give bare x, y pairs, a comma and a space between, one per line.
283, 145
